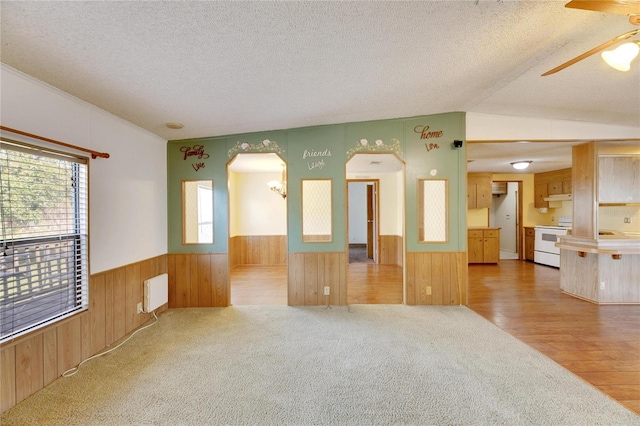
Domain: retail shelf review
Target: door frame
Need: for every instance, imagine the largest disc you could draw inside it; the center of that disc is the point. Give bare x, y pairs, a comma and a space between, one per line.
519, 225
233, 255
376, 215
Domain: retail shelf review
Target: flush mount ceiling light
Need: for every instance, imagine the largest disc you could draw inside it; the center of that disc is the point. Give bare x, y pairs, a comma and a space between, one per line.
521, 165
620, 58
175, 126
279, 187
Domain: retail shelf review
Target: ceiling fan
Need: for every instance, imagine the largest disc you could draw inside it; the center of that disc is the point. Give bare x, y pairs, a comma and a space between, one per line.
628, 51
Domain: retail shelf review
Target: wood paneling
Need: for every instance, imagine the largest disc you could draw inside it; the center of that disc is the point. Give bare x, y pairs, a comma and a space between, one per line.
390, 252
69, 336
584, 190
50, 360
618, 179
32, 361
309, 273
97, 295
599, 278
436, 278
257, 250
198, 280
29, 371
7, 378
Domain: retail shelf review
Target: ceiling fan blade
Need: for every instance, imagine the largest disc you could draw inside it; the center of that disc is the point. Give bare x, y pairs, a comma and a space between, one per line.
591, 52
622, 7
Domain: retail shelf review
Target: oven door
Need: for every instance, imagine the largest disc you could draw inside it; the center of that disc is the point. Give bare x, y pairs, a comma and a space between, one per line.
546, 240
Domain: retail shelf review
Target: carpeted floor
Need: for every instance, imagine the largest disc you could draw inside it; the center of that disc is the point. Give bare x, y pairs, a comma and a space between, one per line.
368, 364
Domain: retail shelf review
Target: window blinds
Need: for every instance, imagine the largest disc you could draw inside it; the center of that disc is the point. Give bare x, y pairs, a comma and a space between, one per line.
43, 237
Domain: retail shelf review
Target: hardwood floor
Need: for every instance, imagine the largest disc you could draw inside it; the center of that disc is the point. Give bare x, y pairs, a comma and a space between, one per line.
371, 283
258, 285
599, 343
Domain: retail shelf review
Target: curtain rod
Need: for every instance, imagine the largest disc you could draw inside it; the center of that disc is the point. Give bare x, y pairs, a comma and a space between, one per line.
94, 154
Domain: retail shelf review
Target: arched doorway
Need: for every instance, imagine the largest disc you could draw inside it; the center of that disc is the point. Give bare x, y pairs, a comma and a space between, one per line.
375, 211
257, 229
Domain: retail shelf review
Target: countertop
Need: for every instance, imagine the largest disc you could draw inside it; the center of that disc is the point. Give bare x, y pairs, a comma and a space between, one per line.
605, 244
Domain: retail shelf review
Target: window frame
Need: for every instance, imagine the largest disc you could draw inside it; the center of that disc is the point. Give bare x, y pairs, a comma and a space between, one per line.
68, 251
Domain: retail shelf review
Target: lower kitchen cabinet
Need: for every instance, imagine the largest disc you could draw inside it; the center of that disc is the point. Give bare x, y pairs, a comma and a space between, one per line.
529, 243
483, 245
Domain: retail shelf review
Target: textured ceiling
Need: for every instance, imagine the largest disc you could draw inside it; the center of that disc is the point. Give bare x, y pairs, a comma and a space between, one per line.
233, 67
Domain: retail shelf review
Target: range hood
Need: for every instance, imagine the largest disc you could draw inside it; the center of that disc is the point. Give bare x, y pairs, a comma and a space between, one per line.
555, 201
559, 197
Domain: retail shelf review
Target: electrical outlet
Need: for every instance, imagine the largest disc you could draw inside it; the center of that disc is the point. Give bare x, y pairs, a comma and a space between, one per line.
327, 290
428, 290
627, 220
601, 285
139, 307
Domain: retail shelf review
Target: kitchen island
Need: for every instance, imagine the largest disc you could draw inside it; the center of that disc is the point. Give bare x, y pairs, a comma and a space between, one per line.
602, 271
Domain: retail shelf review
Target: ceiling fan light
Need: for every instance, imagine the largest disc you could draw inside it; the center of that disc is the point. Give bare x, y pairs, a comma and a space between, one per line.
521, 165
620, 58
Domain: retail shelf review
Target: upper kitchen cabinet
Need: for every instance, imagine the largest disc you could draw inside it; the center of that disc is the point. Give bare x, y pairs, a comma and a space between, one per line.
556, 182
619, 179
478, 190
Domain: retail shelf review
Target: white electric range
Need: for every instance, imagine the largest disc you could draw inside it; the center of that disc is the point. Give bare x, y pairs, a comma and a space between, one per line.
545, 250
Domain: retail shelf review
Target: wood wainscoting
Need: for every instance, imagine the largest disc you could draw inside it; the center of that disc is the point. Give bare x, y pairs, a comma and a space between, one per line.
309, 273
31, 362
436, 278
257, 250
198, 280
390, 250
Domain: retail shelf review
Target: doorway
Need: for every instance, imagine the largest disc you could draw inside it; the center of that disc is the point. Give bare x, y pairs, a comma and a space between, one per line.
375, 229
506, 213
257, 242
363, 220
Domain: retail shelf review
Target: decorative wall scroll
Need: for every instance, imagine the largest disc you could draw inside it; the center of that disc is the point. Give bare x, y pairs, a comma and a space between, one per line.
196, 151
264, 146
425, 132
376, 146
315, 158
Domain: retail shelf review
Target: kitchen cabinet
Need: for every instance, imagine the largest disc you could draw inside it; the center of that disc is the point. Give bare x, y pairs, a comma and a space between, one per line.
478, 190
550, 183
619, 179
529, 243
567, 186
483, 245
540, 192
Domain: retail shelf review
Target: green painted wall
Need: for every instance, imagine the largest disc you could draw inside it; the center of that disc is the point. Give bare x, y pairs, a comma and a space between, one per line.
321, 153
425, 154
197, 159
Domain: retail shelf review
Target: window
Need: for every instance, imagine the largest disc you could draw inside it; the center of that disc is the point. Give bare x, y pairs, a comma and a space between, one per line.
43, 237
433, 210
197, 212
317, 223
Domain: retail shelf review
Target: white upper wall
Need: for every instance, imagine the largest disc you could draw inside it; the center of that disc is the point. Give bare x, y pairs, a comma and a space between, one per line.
254, 208
128, 191
391, 200
505, 127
